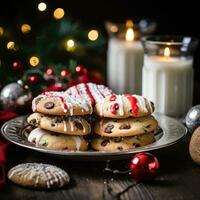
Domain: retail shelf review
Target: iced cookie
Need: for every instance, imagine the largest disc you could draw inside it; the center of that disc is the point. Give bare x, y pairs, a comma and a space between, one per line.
37, 175
72, 125
125, 127
61, 103
54, 141
92, 92
121, 143
124, 106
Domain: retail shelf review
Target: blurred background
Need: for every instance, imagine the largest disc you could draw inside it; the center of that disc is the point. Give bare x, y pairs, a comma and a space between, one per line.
171, 17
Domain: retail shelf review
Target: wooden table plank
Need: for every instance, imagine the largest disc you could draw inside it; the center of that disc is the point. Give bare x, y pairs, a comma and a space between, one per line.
179, 178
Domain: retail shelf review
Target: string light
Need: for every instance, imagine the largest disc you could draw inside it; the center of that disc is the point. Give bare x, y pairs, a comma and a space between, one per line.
93, 35
114, 28
42, 6
26, 87
11, 45
1, 31
70, 45
58, 13
25, 28
34, 61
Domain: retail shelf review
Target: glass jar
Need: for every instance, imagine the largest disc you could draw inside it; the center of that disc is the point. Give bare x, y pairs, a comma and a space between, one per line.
167, 76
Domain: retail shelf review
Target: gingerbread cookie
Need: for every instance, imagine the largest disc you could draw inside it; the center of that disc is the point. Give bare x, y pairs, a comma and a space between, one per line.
54, 141
125, 127
37, 175
121, 143
124, 106
61, 103
92, 92
72, 125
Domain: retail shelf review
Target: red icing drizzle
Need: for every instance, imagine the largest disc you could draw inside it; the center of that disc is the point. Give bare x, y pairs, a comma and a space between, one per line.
112, 98
113, 108
77, 90
100, 92
92, 100
133, 102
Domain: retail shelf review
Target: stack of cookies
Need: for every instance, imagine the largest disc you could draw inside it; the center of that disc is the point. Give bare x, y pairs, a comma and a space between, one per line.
126, 122
62, 119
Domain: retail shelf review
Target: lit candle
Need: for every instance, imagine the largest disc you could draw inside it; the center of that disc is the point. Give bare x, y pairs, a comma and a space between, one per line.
168, 80
125, 61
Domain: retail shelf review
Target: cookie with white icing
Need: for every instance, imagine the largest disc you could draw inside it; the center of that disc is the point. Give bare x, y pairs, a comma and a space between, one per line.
92, 92
54, 141
121, 143
61, 103
125, 127
37, 175
124, 106
70, 125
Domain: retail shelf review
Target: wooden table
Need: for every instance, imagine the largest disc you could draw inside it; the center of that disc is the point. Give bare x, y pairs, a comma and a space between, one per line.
179, 178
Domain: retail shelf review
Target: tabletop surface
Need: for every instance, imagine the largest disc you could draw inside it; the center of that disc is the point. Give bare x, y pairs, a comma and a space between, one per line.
179, 177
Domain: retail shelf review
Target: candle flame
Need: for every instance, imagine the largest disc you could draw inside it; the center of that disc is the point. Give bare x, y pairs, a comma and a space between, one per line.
129, 34
167, 52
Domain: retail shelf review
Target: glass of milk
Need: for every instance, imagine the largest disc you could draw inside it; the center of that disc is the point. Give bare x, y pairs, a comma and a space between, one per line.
167, 75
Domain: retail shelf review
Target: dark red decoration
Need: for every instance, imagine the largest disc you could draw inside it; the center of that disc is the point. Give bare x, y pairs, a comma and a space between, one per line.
72, 82
33, 79
144, 166
81, 70
17, 65
64, 73
49, 71
55, 87
84, 78
6, 115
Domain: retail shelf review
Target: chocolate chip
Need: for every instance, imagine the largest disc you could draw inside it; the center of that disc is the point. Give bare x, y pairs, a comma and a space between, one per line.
125, 126
78, 125
109, 128
49, 105
120, 148
131, 111
105, 142
148, 126
117, 139
52, 124
136, 145
33, 122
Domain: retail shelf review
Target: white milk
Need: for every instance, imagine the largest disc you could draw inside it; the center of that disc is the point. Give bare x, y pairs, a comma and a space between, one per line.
168, 82
124, 67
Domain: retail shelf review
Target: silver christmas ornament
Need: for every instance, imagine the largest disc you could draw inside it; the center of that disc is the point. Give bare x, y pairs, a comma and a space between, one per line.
14, 97
193, 118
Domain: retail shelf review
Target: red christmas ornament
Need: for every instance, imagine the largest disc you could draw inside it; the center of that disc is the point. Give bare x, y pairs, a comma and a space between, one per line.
81, 70
84, 78
49, 71
17, 65
144, 166
33, 79
55, 87
64, 73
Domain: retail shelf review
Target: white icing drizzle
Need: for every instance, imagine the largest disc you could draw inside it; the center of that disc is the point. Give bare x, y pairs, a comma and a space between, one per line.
36, 134
143, 103
101, 107
36, 171
65, 125
77, 141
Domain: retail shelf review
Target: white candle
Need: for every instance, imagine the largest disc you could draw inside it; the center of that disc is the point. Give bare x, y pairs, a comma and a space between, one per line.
168, 82
124, 67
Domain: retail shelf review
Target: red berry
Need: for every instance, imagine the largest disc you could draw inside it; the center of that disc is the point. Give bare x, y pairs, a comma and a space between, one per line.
17, 65
64, 73
49, 71
81, 70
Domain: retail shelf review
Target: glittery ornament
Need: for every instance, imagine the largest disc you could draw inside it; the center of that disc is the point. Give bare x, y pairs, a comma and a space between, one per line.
193, 118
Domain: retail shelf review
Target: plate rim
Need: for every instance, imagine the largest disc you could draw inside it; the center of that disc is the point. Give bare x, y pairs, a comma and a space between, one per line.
87, 154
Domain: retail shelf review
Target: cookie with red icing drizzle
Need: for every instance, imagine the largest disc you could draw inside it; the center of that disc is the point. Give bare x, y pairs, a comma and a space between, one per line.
91, 92
124, 106
61, 103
